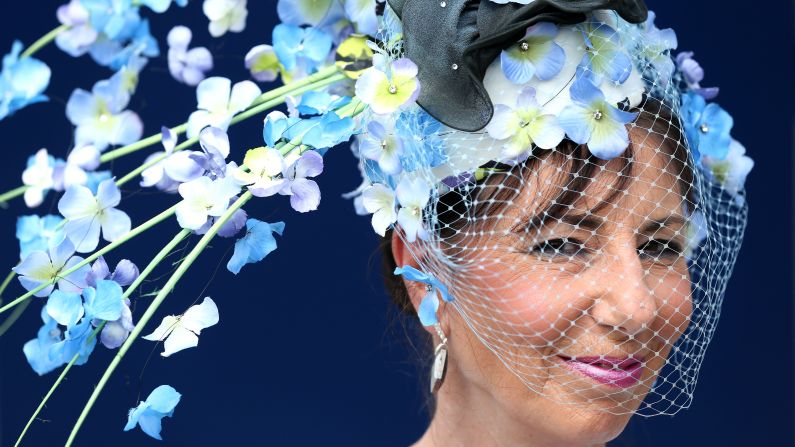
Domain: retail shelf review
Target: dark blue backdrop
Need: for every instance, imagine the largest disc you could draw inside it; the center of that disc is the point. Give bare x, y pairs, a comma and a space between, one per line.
308, 351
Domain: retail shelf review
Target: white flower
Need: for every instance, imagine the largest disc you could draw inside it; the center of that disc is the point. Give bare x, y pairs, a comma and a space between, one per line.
218, 102
87, 214
413, 195
38, 178
203, 198
81, 159
225, 15
380, 200
182, 332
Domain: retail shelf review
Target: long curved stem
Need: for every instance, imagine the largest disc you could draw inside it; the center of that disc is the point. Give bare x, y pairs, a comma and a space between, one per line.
238, 118
132, 287
133, 233
273, 97
43, 41
167, 288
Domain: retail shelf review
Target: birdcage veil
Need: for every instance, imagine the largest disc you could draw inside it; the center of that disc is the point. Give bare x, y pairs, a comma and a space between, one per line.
602, 199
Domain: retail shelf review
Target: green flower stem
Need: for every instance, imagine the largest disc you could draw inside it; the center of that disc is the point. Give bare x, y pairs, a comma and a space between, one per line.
134, 232
238, 118
51, 391
14, 193
161, 255
323, 77
43, 41
167, 288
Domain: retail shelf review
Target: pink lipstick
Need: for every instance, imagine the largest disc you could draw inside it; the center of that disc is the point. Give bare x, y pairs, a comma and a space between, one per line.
620, 372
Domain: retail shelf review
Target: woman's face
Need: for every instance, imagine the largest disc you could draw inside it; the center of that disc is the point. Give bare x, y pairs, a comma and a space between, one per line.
605, 280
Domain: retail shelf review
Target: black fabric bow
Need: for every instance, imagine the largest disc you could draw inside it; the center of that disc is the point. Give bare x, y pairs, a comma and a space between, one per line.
454, 41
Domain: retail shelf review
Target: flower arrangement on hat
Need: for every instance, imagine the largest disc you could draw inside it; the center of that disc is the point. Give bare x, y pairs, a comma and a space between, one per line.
347, 73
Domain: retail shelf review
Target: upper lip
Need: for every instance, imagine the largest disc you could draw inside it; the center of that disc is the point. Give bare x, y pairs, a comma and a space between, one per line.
622, 362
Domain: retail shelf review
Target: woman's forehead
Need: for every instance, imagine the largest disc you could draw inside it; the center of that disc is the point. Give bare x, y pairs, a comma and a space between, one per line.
646, 185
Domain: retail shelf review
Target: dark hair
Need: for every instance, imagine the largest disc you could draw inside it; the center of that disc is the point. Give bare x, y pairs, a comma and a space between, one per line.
453, 212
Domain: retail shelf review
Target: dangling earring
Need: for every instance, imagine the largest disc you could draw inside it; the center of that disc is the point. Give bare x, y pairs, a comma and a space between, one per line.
439, 360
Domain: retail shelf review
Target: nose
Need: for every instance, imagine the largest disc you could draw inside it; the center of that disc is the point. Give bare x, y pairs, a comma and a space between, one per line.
623, 301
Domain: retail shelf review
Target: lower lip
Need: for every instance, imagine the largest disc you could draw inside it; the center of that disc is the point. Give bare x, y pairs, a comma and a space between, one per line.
617, 378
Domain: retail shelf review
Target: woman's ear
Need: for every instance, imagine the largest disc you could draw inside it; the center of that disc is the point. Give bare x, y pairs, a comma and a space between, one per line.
416, 290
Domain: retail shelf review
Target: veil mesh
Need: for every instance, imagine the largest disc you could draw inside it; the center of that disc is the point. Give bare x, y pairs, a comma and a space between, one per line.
601, 277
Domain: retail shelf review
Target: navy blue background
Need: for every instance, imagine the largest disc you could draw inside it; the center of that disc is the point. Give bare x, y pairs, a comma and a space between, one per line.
308, 351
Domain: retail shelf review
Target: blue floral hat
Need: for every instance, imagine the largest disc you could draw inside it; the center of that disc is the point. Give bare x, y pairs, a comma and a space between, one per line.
555, 169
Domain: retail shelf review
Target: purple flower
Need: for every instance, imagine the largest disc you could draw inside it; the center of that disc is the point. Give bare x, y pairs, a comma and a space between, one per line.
694, 74
187, 66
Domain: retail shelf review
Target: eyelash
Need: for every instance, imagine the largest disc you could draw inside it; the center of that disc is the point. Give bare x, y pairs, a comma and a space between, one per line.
570, 247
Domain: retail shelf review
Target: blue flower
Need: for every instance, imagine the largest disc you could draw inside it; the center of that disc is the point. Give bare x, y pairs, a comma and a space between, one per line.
124, 274
38, 233
22, 81
37, 350
382, 144
317, 13
707, 127
362, 14
103, 303
300, 46
591, 120
88, 214
161, 6
325, 131
45, 267
536, 54
116, 54
656, 47
149, 413
116, 19
693, 74
604, 55
100, 116
77, 39
423, 144
319, 103
255, 245
731, 171
430, 302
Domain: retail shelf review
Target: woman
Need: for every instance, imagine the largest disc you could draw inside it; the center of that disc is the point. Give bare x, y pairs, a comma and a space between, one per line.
580, 276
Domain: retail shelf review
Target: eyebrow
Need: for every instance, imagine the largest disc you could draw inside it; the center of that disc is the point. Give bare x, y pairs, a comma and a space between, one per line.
592, 222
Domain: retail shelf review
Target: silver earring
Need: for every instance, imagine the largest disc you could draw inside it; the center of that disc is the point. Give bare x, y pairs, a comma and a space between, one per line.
439, 360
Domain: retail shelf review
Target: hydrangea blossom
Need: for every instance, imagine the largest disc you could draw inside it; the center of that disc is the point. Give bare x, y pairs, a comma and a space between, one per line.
263, 176
149, 413
77, 39
656, 48
604, 54
22, 81
219, 101
215, 148
257, 243
307, 47
430, 302
100, 116
536, 55
523, 124
187, 66
693, 74
413, 196
225, 15
38, 177
707, 127
382, 144
362, 14
202, 198
731, 170
37, 350
41, 267
79, 163
38, 233
103, 303
316, 13
390, 89
182, 332
591, 120
87, 214
161, 6
379, 200
263, 63
176, 168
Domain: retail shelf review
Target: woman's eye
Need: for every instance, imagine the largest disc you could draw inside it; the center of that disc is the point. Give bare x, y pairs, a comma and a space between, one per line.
560, 247
660, 248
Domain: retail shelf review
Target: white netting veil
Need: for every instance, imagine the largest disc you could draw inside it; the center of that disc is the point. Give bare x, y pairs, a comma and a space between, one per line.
596, 278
